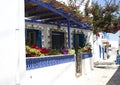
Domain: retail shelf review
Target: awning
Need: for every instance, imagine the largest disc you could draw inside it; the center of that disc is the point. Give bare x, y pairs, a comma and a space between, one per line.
52, 12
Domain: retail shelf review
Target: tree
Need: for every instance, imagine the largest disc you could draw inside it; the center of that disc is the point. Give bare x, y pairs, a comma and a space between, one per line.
104, 18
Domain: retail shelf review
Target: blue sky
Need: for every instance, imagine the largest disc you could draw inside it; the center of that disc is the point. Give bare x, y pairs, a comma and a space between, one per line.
113, 37
102, 2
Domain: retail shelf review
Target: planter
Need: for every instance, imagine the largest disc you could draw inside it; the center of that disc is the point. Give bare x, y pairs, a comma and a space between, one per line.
40, 62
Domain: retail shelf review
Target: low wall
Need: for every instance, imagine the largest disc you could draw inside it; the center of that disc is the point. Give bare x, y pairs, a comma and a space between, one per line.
40, 62
53, 70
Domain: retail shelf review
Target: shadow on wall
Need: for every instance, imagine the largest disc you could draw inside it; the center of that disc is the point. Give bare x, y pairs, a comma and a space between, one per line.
115, 79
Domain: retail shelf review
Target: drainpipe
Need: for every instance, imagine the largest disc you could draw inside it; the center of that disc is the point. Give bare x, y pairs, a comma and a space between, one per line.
68, 29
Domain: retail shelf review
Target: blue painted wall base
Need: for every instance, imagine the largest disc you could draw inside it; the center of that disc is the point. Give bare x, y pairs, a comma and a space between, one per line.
40, 62
86, 55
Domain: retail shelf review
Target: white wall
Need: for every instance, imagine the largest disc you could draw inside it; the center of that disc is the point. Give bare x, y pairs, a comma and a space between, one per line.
12, 52
119, 42
114, 44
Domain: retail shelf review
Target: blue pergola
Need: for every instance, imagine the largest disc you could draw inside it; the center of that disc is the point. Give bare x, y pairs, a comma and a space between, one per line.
50, 13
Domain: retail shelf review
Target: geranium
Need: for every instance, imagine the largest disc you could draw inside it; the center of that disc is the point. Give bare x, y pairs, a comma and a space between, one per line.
44, 50
41, 50
118, 26
35, 46
64, 51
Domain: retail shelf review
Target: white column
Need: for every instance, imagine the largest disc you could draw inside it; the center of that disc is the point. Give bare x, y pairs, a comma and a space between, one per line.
12, 42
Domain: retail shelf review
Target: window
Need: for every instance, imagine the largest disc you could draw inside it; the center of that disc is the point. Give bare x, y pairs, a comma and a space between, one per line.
33, 37
57, 40
79, 40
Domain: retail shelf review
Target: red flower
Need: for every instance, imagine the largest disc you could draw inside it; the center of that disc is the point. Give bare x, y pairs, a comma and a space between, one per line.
44, 50
41, 50
118, 26
35, 46
98, 35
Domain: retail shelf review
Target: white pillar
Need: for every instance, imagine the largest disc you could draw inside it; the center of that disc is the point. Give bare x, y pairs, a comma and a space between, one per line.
12, 42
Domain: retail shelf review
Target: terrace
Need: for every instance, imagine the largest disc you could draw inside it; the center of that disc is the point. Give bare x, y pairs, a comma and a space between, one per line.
52, 12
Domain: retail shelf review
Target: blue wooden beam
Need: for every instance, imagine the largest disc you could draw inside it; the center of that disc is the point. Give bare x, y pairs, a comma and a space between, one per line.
41, 17
56, 19
27, 1
38, 13
61, 24
76, 21
69, 39
51, 16
33, 8
85, 26
48, 7
60, 9
51, 3
57, 11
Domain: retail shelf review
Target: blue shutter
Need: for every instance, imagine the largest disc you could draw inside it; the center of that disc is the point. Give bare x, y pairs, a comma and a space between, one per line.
76, 40
81, 40
38, 38
25, 33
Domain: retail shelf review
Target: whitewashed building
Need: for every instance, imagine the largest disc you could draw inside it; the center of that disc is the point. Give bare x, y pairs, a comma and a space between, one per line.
12, 40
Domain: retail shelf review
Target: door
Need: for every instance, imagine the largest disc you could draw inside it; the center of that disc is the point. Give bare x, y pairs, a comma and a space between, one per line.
57, 40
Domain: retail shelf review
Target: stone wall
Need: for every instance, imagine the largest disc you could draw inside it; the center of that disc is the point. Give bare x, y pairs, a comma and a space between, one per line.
46, 30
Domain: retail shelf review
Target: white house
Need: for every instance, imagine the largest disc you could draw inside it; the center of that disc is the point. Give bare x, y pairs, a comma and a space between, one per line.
12, 41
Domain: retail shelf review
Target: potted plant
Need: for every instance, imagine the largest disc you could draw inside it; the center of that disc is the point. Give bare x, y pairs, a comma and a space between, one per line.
32, 52
54, 52
71, 51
